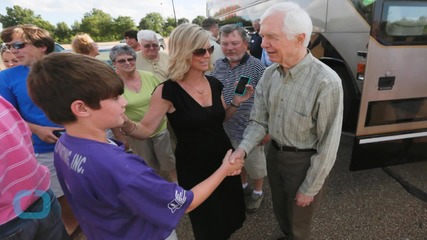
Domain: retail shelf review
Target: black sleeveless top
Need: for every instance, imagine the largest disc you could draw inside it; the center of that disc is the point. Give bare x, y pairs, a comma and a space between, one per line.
201, 145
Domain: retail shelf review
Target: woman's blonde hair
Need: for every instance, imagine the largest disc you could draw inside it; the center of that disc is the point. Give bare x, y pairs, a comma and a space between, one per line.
82, 43
183, 40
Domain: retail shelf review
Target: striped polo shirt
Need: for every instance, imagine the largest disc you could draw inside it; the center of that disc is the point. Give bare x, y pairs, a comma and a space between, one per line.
19, 169
250, 67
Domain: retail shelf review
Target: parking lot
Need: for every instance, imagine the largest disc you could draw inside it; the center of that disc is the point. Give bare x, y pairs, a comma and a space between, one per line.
357, 205
361, 205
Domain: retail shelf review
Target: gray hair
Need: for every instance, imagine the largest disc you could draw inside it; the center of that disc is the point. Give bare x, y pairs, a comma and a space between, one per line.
295, 20
229, 28
121, 50
147, 35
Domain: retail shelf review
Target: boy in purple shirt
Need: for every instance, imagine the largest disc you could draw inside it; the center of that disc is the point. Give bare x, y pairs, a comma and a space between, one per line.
113, 194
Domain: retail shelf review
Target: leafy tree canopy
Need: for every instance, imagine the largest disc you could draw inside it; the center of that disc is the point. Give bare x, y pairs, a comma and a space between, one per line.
153, 21
198, 20
100, 25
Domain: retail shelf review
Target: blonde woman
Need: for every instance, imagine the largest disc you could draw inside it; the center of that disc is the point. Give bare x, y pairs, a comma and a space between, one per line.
9, 60
196, 110
82, 43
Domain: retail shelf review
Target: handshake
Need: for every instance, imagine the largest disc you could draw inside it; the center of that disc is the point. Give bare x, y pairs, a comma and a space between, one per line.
233, 162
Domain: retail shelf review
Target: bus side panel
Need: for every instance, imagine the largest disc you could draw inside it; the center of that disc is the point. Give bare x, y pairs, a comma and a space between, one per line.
387, 153
406, 66
392, 122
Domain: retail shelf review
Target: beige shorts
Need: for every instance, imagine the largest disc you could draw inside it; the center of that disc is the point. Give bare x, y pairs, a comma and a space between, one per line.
156, 151
255, 162
46, 159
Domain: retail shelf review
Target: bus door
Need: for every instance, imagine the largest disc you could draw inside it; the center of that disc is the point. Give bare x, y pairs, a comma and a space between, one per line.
392, 122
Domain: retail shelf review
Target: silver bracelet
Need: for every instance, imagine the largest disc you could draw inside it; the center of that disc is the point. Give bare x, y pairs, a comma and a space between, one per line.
135, 126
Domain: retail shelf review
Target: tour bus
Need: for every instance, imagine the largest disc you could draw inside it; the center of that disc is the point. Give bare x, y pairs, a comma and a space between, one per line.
379, 49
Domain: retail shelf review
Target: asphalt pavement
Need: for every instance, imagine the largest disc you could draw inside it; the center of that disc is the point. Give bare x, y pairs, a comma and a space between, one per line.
368, 204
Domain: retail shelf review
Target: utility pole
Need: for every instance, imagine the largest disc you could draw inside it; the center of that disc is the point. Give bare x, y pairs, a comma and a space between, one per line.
173, 6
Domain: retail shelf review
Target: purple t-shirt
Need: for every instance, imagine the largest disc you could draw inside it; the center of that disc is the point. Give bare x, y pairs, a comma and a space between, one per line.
115, 195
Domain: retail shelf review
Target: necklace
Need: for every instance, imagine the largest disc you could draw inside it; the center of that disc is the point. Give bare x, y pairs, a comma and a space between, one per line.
134, 85
202, 90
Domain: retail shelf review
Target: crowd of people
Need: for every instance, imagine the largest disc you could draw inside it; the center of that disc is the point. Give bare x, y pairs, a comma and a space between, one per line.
124, 152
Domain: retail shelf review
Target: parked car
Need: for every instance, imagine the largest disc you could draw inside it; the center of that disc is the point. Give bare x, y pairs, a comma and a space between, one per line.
59, 48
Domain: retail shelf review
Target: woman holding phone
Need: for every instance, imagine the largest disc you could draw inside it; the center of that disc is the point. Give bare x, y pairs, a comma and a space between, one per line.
196, 110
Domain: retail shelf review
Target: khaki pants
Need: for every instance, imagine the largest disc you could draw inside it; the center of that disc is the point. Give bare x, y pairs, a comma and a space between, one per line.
286, 171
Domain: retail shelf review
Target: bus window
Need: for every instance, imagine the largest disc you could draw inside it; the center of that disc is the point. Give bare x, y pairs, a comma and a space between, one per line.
396, 111
404, 23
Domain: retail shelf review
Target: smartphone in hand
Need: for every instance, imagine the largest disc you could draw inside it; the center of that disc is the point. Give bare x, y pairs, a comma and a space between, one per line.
58, 133
241, 85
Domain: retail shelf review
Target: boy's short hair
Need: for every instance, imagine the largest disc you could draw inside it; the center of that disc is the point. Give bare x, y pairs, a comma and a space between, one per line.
59, 79
131, 34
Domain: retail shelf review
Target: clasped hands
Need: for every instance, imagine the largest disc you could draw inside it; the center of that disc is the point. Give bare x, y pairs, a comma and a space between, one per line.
238, 156
236, 159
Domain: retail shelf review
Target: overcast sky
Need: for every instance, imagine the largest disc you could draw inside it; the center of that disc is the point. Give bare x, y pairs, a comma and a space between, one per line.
68, 11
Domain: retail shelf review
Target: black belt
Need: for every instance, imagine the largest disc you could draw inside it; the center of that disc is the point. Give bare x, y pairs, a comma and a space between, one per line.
283, 148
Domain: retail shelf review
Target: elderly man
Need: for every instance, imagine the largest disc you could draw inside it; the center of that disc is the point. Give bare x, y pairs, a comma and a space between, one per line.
237, 63
299, 102
150, 58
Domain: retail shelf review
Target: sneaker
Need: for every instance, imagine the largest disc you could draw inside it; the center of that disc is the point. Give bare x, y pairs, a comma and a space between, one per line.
247, 191
253, 202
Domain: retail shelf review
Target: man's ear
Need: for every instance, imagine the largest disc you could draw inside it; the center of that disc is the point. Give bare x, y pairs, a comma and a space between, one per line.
79, 108
300, 38
43, 49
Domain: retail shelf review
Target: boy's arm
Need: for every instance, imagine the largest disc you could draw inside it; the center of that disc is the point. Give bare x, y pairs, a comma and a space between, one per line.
204, 189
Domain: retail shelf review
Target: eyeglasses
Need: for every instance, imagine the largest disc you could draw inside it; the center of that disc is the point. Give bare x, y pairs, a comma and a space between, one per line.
16, 45
202, 51
129, 60
151, 45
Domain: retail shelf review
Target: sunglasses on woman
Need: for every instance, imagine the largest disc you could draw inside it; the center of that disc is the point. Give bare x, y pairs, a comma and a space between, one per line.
16, 45
202, 51
129, 60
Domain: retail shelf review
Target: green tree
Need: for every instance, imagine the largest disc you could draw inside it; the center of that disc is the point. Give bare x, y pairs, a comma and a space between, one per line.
122, 24
18, 15
152, 21
63, 33
75, 28
98, 24
183, 20
168, 26
198, 20
39, 22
